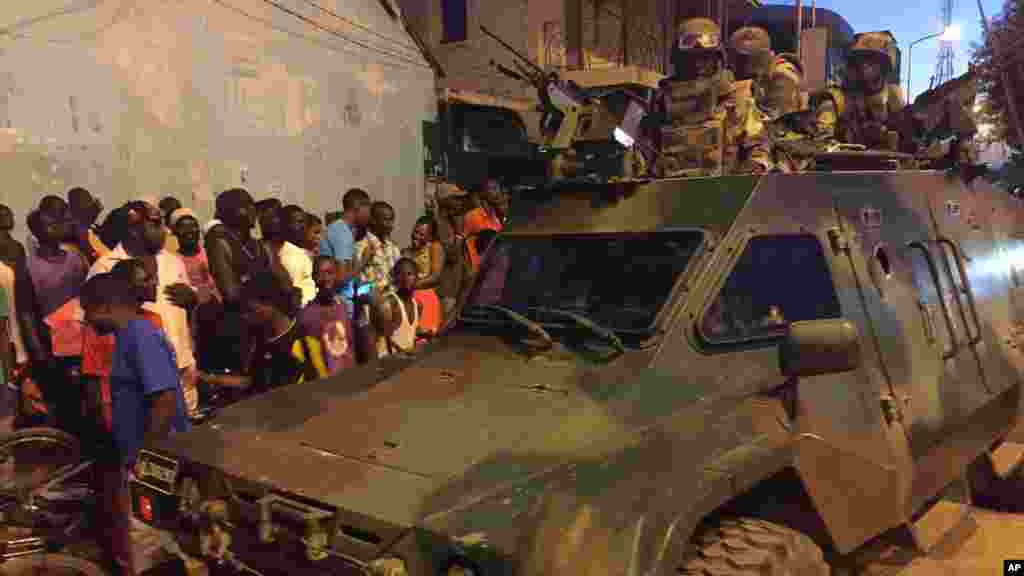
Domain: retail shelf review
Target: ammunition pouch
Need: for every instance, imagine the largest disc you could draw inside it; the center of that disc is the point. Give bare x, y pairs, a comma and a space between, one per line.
692, 101
693, 149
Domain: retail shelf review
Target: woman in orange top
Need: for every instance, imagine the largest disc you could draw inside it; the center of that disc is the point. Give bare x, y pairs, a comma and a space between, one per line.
428, 254
489, 216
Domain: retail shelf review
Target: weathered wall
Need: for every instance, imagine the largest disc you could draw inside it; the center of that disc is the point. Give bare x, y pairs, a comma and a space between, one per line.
189, 97
468, 63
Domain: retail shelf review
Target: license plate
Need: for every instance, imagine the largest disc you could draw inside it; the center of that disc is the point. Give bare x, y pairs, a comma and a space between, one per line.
156, 471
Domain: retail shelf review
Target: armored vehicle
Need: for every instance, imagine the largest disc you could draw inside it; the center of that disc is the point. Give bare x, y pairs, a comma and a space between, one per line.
701, 375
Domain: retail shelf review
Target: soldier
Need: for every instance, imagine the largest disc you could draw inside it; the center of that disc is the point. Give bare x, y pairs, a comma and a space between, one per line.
790, 124
860, 111
785, 86
750, 52
708, 123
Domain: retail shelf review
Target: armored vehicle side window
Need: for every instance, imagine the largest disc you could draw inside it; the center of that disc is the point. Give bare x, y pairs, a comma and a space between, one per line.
620, 280
777, 280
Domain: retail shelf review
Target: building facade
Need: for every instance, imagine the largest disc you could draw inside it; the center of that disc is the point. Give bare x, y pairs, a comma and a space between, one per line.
563, 35
189, 97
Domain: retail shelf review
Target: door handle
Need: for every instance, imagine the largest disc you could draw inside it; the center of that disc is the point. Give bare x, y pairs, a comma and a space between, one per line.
958, 257
929, 322
933, 271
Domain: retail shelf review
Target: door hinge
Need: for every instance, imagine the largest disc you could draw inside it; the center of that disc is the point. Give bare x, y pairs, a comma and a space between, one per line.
891, 410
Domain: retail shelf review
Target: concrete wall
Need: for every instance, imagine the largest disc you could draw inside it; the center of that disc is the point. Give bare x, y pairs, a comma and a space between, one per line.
189, 97
467, 63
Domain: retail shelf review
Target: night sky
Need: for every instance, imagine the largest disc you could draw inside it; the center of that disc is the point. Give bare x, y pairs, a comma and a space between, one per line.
912, 20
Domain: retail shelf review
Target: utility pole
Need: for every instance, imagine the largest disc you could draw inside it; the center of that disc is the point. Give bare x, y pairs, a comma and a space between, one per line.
799, 27
997, 57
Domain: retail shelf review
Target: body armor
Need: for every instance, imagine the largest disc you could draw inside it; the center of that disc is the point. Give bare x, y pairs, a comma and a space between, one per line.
857, 118
852, 116
708, 125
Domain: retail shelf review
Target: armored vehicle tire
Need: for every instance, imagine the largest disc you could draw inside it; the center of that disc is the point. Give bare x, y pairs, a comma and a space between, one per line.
50, 564
752, 546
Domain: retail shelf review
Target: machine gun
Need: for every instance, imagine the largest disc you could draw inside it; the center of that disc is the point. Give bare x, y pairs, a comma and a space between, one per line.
572, 116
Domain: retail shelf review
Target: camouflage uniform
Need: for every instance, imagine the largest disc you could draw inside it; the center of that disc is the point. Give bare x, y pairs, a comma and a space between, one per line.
709, 124
785, 97
784, 91
752, 59
852, 116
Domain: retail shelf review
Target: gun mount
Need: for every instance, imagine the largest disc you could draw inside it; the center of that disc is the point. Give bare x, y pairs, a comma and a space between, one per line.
587, 133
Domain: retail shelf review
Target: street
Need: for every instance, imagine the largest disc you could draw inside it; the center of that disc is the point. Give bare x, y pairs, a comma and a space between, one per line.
977, 546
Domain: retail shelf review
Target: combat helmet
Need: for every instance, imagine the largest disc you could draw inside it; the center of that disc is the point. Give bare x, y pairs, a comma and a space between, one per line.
699, 35
751, 53
877, 45
750, 40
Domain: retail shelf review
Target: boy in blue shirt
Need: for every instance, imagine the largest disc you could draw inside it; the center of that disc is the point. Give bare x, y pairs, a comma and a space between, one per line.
147, 400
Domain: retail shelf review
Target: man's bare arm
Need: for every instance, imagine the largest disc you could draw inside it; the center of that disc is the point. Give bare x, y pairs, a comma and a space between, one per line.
218, 252
163, 406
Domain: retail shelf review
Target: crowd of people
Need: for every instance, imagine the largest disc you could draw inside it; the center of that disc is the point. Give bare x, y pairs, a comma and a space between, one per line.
128, 329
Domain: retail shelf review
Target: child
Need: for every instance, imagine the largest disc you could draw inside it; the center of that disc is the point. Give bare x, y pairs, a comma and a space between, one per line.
398, 313
98, 349
428, 254
327, 318
285, 354
147, 400
314, 234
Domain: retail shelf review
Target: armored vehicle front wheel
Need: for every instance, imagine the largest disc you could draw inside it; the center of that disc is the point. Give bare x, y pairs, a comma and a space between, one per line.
752, 546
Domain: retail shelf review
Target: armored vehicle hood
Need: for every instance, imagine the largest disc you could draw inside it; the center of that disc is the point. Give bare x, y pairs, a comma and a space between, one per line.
377, 440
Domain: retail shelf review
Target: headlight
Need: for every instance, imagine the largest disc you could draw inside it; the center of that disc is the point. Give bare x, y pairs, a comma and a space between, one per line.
388, 567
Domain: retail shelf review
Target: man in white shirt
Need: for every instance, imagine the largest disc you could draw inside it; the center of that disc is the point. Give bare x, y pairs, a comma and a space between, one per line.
295, 261
144, 239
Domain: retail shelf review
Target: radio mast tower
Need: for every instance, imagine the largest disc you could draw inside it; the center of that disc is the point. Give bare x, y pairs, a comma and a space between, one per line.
944, 65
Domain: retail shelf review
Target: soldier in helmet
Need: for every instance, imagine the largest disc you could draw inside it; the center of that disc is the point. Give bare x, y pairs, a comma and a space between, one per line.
790, 124
860, 111
785, 86
751, 56
708, 122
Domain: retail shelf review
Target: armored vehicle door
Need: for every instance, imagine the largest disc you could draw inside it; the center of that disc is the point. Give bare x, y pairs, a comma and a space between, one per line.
977, 285
934, 383
786, 266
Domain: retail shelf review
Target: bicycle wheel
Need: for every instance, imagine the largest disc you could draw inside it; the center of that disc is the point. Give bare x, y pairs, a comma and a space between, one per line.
50, 565
31, 457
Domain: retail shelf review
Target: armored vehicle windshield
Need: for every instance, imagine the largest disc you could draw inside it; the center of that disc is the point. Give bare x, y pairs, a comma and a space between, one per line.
618, 280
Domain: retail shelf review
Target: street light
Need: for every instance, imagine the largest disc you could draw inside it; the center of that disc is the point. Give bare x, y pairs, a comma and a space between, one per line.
950, 34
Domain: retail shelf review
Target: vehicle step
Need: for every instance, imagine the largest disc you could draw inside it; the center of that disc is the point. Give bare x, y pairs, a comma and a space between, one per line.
942, 519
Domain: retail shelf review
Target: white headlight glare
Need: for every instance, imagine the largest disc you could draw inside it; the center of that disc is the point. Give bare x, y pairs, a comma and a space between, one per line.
622, 138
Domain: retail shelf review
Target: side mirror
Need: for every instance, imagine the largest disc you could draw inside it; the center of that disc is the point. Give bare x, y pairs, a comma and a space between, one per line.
817, 347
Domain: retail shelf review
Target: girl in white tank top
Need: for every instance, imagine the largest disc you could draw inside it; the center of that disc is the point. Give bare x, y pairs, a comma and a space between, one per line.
403, 338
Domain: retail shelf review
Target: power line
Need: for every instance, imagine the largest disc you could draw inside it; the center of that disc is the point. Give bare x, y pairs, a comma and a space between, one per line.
311, 40
355, 24
343, 37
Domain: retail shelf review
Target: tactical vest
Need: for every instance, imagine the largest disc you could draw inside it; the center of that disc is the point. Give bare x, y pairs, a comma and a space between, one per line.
863, 119
693, 133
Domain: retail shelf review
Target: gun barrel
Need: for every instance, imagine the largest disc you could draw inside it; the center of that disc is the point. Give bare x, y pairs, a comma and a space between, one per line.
515, 52
508, 72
